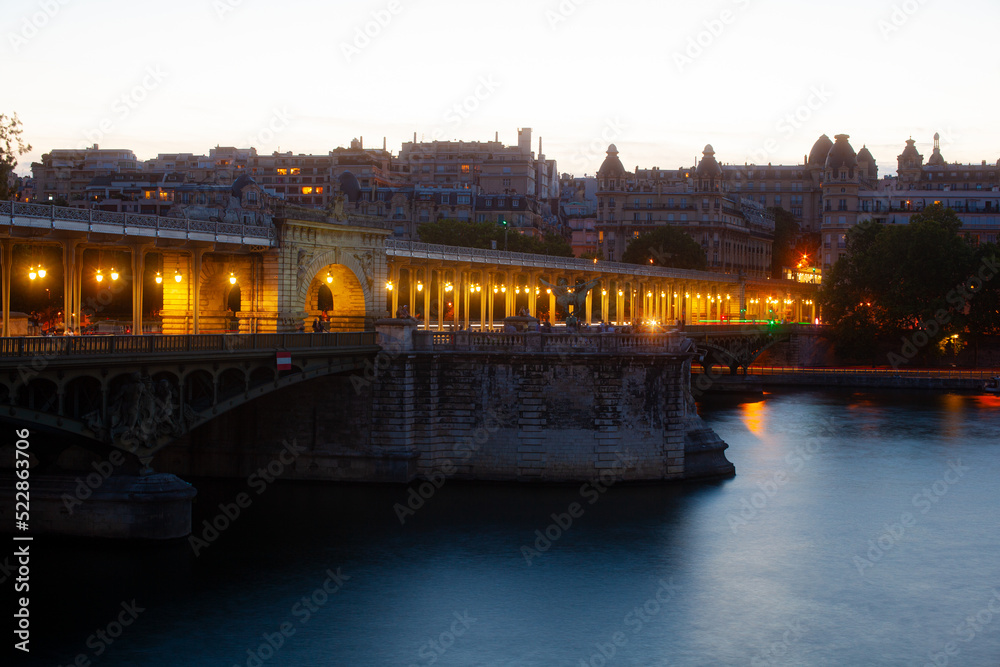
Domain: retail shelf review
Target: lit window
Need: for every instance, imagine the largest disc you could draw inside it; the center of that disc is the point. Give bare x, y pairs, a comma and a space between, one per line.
319, 190
465, 169
307, 190
164, 196
148, 194
282, 172
295, 171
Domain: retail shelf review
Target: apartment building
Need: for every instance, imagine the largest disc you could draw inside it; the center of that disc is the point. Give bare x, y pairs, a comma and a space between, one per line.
735, 231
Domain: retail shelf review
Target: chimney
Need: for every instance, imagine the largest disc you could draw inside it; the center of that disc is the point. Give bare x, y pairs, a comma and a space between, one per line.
414, 137
385, 143
362, 142
496, 138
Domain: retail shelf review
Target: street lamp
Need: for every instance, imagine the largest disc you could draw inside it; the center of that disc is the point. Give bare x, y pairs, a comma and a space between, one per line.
99, 277
177, 276
329, 278
232, 278
114, 274
159, 278
388, 285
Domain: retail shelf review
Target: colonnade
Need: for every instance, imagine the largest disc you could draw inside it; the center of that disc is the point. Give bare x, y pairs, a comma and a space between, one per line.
459, 296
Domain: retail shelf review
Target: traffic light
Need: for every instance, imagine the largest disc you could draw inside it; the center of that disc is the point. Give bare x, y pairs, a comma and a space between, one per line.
503, 222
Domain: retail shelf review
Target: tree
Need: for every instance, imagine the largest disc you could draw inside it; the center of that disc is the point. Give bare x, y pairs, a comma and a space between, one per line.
483, 234
899, 278
666, 246
786, 233
11, 147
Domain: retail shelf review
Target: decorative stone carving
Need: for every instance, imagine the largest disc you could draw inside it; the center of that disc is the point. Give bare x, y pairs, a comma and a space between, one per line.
366, 261
303, 260
140, 414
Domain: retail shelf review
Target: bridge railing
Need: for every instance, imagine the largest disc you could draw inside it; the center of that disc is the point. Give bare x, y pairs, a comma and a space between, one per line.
754, 327
63, 346
11, 210
550, 343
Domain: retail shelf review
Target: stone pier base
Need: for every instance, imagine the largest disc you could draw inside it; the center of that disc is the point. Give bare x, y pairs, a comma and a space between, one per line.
154, 507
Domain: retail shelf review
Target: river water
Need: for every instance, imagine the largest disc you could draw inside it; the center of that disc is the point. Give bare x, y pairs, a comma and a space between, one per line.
861, 529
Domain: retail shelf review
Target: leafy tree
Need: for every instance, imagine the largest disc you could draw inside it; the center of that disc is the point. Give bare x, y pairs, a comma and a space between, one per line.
482, 234
786, 233
897, 279
591, 255
984, 303
11, 147
666, 246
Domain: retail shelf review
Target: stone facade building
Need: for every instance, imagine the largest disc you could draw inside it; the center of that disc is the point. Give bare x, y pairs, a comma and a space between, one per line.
475, 181
736, 232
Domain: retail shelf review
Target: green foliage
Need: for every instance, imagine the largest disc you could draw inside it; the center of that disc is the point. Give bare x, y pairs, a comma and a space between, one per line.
666, 246
786, 233
896, 279
591, 255
482, 235
11, 147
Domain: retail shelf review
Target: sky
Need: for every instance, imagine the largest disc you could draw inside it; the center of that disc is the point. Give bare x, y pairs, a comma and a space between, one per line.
760, 80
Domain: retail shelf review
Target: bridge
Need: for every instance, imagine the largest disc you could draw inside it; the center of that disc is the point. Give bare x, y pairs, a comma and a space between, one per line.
370, 409
392, 405
139, 393
738, 346
264, 274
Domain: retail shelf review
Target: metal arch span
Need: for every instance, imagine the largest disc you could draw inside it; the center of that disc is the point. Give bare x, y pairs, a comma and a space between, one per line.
138, 393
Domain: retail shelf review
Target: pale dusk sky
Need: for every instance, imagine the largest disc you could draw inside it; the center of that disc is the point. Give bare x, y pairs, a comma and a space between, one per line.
758, 79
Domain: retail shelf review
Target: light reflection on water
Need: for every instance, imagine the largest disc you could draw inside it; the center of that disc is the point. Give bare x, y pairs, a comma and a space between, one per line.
767, 561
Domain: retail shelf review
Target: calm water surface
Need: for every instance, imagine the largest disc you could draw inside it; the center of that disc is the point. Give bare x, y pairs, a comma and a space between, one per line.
861, 529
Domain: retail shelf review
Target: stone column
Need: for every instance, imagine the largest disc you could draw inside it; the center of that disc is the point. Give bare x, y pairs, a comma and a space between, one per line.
70, 309
196, 287
426, 319
468, 291
440, 296
138, 273
6, 262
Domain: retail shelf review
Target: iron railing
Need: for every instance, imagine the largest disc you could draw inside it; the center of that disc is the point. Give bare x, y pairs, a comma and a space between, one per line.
826, 371
549, 343
85, 346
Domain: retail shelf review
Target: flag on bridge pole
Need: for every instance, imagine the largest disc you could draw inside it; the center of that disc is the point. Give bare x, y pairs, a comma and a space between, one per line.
284, 361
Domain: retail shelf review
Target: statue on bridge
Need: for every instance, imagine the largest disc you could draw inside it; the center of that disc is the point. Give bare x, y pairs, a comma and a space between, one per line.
572, 295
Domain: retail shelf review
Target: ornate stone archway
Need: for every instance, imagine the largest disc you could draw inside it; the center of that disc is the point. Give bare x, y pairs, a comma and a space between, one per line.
350, 304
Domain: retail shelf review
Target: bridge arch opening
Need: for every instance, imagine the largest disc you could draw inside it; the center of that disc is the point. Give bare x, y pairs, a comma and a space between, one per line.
234, 299
337, 299
324, 298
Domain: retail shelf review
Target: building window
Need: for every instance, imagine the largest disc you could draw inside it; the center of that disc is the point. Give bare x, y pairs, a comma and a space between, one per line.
282, 172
